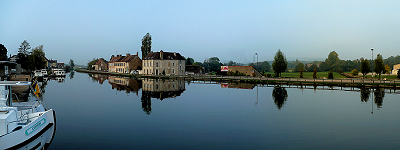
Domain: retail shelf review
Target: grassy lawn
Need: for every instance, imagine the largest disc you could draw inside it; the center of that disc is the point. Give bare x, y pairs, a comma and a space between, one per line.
308, 74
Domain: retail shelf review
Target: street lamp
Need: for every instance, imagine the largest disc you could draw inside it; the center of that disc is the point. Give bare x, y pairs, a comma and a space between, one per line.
257, 58
372, 60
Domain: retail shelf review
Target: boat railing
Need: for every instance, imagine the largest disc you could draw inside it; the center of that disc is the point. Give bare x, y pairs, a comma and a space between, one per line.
21, 122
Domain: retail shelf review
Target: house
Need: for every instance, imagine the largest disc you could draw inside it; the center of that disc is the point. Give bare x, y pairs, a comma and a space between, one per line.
194, 69
124, 64
100, 65
396, 68
247, 70
163, 63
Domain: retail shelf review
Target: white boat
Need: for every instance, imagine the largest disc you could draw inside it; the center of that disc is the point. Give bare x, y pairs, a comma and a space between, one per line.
58, 72
40, 73
24, 125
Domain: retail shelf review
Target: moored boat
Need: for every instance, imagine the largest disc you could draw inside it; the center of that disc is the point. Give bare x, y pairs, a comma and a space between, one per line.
24, 125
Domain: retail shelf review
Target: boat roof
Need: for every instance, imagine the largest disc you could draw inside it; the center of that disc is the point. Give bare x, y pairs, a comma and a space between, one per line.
12, 83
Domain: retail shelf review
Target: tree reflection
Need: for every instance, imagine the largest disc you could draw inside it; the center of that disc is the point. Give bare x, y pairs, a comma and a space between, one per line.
280, 96
71, 74
379, 94
146, 102
364, 94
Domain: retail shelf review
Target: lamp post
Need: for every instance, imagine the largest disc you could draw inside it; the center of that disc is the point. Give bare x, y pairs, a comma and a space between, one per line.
372, 60
257, 58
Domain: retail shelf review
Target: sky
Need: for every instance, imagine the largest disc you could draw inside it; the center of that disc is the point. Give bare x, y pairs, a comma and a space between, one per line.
228, 29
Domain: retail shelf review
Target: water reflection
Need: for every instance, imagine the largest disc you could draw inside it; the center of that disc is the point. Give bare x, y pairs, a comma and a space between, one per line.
280, 96
160, 89
125, 84
364, 94
379, 94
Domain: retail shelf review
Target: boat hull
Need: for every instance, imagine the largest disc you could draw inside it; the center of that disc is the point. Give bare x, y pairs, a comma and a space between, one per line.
35, 135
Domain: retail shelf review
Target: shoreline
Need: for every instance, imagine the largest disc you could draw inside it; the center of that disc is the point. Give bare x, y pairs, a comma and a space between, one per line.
341, 82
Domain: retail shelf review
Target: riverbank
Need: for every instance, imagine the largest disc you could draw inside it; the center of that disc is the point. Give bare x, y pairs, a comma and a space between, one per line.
342, 82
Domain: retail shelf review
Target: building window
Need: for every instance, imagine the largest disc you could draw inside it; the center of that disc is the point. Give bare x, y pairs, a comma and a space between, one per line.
173, 64
157, 64
173, 70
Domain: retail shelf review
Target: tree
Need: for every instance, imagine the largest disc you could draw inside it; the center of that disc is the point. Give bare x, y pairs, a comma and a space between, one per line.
398, 74
279, 64
365, 68
189, 61
71, 63
299, 66
261, 66
36, 58
91, 63
378, 65
3, 52
212, 64
314, 75
332, 63
23, 54
330, 75
24, 48
387, 69
354, 72
146, 45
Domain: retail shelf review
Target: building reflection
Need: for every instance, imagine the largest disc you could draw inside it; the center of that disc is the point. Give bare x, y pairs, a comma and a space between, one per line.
279, 94
160, 89
98, 78
237, 85
125, 84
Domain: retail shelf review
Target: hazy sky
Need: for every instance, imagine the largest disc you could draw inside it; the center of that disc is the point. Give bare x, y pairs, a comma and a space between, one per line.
230, 30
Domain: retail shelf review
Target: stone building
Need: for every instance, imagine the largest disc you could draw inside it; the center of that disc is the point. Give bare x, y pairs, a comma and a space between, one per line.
163, 63
124, 64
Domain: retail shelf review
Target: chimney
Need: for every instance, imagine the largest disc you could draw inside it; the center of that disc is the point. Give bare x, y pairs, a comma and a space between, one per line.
137, 53
127, 54
174, 53
161, 55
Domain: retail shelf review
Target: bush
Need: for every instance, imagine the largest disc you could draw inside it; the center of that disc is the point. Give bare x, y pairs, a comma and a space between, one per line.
330, 75
398, 74
354, 72
301, 73
314, 75
269, 75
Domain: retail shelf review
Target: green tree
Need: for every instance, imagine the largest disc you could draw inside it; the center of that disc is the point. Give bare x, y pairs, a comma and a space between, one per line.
330, 75
387, 69
301, 73
3, 52
189, 61
261, 66
365, 68
279, 64
36, 58
212, 64
299, 66
315, 73
332, 63
71, 63
91, 63
378, 65
354, 72
398, 74
23, 54
146, 45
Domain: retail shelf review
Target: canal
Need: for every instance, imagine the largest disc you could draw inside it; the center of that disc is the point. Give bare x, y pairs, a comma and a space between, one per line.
106, 112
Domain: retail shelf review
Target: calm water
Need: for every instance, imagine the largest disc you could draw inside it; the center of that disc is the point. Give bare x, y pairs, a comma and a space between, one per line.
115, 113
